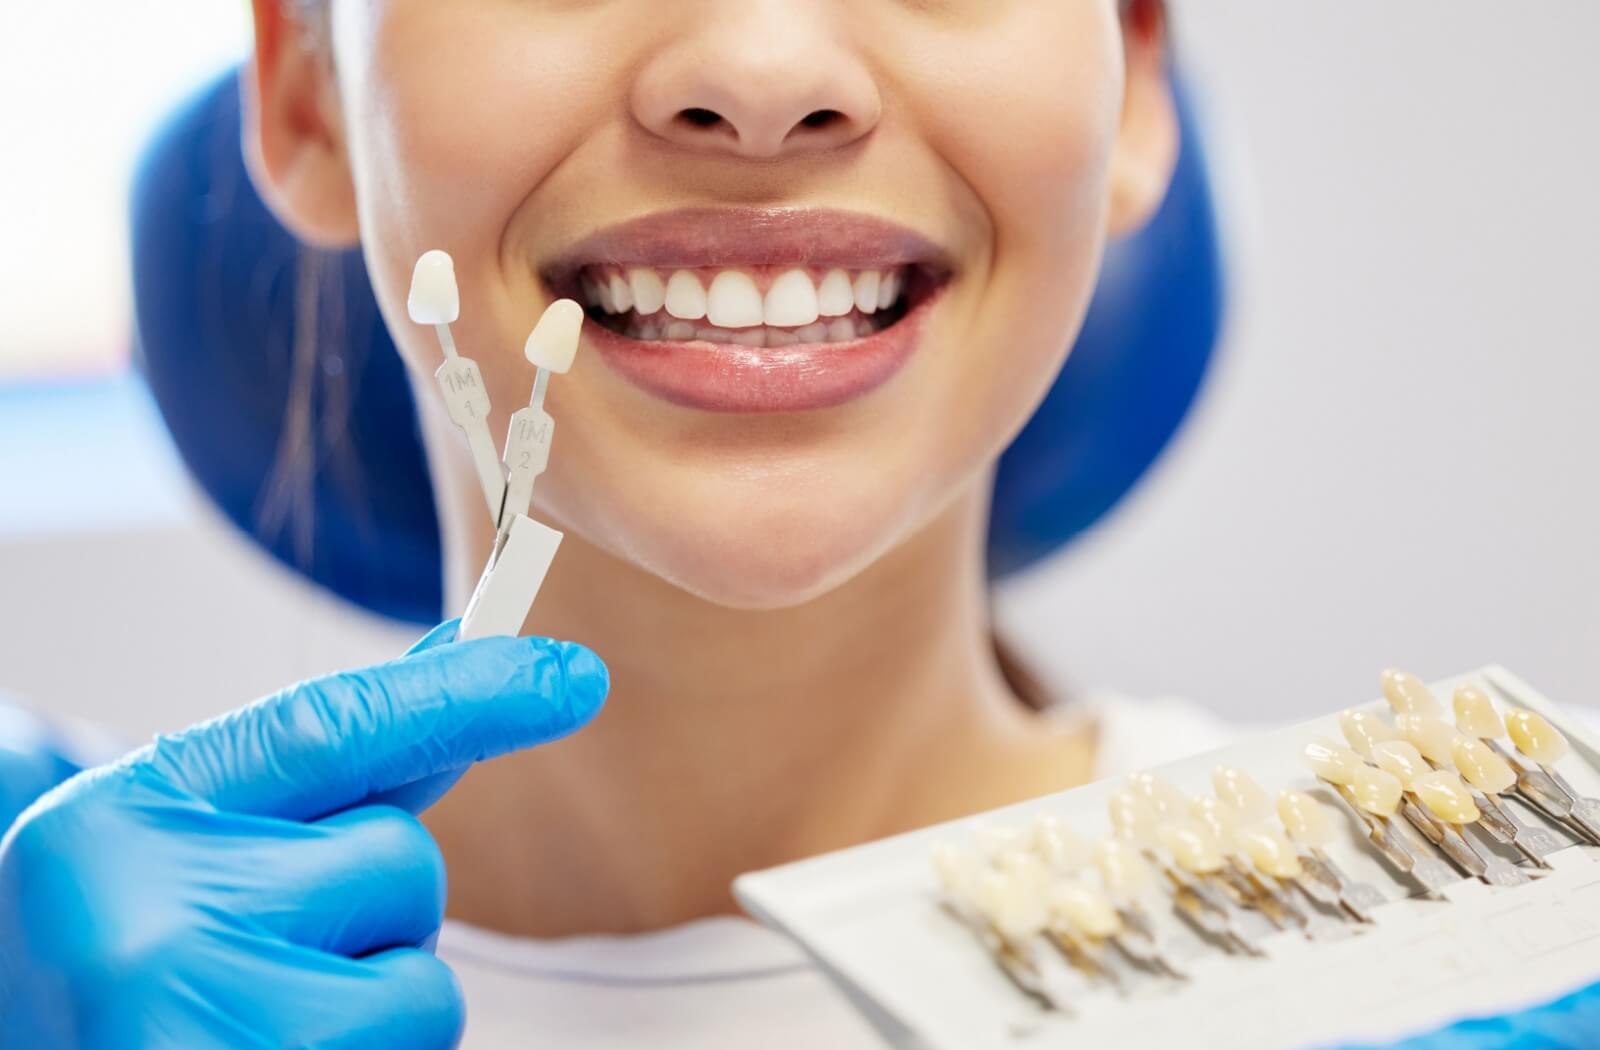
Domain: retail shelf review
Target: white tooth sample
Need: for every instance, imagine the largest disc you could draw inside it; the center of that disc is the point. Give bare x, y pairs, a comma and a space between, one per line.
1407, 695
1333, 762
621, 294
733, 301
956, 868
1475, 713
1434, 737
1133, 818
686, 298
1304, 819
554, 341
1362, 729
603, 296
867, 283
1481, 766
1169, 802
841, 330
994, 840
791, 301
749, 337
1270, 852
812, 333
649, 291
1401, 760
1193, 847
1056, 844
1124, 871
1376, 791
1535, 736
435, 298
1239, 789
1026, 870
836, 296
1446, 797
680, 331
1084, 910
1011, 909
1223, 818
888, 289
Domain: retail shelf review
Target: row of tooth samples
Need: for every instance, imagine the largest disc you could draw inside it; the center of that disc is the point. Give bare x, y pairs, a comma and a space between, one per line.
1039, 894
734, 299
1423, 774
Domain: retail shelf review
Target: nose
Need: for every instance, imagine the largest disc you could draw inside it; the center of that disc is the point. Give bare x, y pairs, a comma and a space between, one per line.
759, 79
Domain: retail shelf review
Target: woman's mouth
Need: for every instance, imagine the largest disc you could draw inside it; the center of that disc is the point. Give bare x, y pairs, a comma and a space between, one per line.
754, 310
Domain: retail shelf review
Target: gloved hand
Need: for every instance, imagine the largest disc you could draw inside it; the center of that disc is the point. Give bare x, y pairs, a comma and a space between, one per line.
260, 880
32, 761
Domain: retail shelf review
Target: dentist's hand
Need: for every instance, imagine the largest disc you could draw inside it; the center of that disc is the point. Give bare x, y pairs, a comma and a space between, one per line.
260, 880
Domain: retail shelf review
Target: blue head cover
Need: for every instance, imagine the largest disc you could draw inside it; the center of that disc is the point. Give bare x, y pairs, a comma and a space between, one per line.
334, 483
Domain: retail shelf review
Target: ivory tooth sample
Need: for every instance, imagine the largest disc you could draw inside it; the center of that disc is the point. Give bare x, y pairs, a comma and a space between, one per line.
1082, 924
1475, 714
1407, 695
1535, 738
1129, 881
1193, 862
1452, 806
1309, 827
1053, 842
1335, 764
1489, 774
1013, 918
1376, 796
1237, 788
1363, 729
1432, 736
1224, 821
1400, 760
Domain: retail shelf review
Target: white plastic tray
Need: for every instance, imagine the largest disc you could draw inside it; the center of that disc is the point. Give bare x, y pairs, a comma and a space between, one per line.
871, 917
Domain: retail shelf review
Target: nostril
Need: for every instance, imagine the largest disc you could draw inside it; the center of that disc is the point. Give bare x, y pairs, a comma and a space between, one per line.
822, 118
700, 118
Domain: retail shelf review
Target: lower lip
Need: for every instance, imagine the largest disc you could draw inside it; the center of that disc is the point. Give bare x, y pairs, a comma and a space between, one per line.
720, 377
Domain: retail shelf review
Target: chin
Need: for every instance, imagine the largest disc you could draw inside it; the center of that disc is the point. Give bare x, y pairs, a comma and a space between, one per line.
775, 556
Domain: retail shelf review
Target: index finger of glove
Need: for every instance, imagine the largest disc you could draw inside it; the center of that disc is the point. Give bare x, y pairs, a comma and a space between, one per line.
325, 745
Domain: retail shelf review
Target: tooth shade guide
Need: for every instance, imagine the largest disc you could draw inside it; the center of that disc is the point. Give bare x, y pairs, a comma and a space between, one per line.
1239, 789
1222, 818
1133, 818
1123, 869
1271, 852
1482, 766
1376, 792
1401, 760
1304, 818
1083, 910
435, 298
1363, 729
1446, 797
1475, 713
1056, 844
1193, 847
1434, 737
553, 343
1408, 695
1164, 797
1332, 762
1535, 737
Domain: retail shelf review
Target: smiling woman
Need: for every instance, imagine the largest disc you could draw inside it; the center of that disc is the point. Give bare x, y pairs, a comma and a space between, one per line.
825, 288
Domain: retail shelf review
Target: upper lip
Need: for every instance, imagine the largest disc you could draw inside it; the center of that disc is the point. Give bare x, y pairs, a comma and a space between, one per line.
689, 238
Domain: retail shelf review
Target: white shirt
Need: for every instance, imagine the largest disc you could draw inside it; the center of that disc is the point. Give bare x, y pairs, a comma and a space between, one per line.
725, 983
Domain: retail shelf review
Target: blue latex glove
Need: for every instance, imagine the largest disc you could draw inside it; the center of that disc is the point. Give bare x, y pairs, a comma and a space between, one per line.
32, 761
251, 882
1569, 1023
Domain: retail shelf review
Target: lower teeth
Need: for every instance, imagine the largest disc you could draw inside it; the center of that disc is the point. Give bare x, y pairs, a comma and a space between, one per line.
832, 330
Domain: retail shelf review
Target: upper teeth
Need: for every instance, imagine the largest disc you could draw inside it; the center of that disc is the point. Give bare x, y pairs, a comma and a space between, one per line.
732, 299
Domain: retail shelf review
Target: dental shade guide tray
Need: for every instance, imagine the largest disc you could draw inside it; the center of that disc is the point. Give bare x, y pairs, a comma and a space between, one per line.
523, 548
1413, 870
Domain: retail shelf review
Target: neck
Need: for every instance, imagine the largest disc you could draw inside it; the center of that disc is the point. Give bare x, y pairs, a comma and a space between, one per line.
734, 740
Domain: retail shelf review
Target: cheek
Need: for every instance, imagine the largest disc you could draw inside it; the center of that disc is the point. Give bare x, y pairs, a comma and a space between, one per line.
456, 114
1026, 115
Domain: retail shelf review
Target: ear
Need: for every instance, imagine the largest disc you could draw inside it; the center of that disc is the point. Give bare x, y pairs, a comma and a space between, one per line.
293, 132
1147, 146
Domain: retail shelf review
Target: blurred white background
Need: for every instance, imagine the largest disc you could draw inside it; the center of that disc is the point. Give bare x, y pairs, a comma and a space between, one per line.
1394, 462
